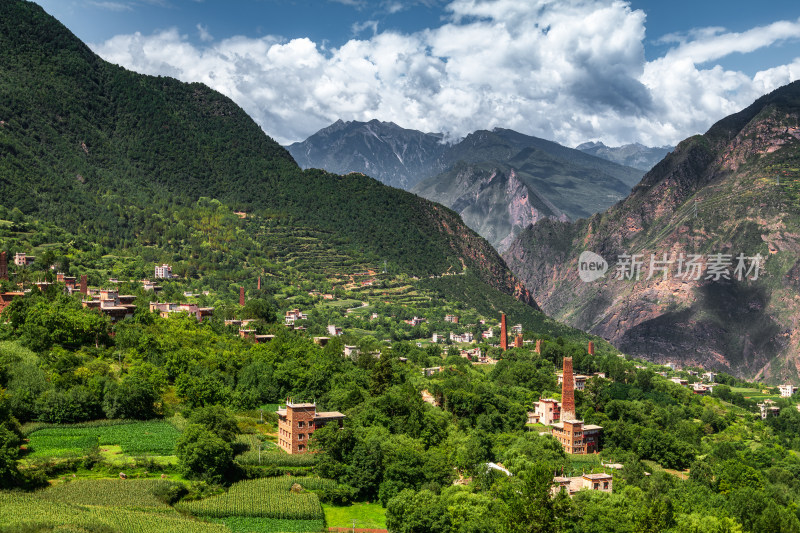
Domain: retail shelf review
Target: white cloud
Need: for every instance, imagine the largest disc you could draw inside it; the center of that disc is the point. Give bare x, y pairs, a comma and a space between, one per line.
111, 6
568, 70
205, 36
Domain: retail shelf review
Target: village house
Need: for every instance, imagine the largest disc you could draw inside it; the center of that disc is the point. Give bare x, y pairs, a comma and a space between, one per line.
768, 410
680, 381
7, 297
547, 410
293, 316
701, 388
437, 338
163, 272
488, 334
322, 341
351, 351
416, 321
461, 337
577, 437
517, 329
475, 355
787, 390
427, 372
70, 282
453, 319
297, 423
150, 286
334, 331
165, 309
709, 377
599, 482
111, 303
22, 259
579, 381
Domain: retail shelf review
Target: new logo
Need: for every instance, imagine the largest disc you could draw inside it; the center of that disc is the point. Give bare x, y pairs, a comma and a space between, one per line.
591, 266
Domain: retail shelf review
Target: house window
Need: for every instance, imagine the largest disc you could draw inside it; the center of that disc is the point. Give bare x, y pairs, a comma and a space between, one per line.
301, 424
596, 486
605, 485
301, 448
300, 436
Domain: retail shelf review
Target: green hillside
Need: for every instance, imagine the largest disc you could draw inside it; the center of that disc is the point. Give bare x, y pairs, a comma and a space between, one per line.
110, 154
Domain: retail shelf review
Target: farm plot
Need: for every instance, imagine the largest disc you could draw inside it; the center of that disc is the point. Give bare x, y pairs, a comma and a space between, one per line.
29, 512
262, 498
128, 493
134, 438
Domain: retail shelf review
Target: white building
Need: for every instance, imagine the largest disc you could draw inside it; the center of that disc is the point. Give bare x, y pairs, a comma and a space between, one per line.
787, 390
163, 272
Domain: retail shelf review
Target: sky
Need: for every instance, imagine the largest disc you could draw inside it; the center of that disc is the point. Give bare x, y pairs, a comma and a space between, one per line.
615, 71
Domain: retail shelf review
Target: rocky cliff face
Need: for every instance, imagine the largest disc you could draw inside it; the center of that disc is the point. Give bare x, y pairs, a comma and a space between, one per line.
733, 191
498, 198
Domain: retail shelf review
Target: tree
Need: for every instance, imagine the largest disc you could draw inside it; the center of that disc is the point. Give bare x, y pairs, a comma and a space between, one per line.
202, 454
529, 506
10, 439
218, 420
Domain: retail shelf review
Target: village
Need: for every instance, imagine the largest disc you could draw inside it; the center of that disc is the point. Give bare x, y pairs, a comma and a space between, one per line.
482, 342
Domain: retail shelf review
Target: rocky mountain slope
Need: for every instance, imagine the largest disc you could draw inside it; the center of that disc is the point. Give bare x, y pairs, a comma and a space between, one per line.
504, 181
402, 157
383, 150
633, 155
97, 149
733, 192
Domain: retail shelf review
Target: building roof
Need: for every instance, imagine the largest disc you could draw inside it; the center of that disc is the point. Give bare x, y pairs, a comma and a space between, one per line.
329, 414
597, 476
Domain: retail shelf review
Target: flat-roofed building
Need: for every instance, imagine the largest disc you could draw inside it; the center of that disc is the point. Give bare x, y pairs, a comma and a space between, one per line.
548, 411
599, 482
297, 423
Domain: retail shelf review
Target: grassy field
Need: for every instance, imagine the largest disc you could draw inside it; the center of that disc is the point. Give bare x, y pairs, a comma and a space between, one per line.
366, 515
755, 394
123, 441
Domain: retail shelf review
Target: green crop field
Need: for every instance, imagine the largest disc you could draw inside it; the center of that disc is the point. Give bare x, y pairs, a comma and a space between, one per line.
262, 498
130, 493
19, 510
366, 515
135, 438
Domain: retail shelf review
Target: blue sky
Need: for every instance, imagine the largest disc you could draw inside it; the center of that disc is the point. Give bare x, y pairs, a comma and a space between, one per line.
568, 70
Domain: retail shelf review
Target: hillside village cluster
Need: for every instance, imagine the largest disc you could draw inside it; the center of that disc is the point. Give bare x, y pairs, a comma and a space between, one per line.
297, 421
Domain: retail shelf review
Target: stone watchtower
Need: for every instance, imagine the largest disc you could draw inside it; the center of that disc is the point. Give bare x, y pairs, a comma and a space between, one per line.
568, 392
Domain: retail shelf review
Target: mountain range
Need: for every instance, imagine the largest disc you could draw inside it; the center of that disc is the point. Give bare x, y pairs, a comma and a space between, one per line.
499, 181
731, 192
633, 155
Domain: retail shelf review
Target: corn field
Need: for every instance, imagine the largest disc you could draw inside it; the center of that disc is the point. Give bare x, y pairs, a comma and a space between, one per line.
266, 498
129, 493
18, 510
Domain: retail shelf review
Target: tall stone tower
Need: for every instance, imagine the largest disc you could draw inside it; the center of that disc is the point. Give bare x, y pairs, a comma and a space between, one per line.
503, 332
538, 346
591, 348
84, 284
3, 266
241, 296
518, 341
568, 392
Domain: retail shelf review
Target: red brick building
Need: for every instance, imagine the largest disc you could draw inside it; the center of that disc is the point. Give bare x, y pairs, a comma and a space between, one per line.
577, 437
297, 423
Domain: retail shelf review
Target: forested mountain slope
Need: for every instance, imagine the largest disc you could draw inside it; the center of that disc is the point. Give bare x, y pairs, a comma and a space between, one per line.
98, 149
